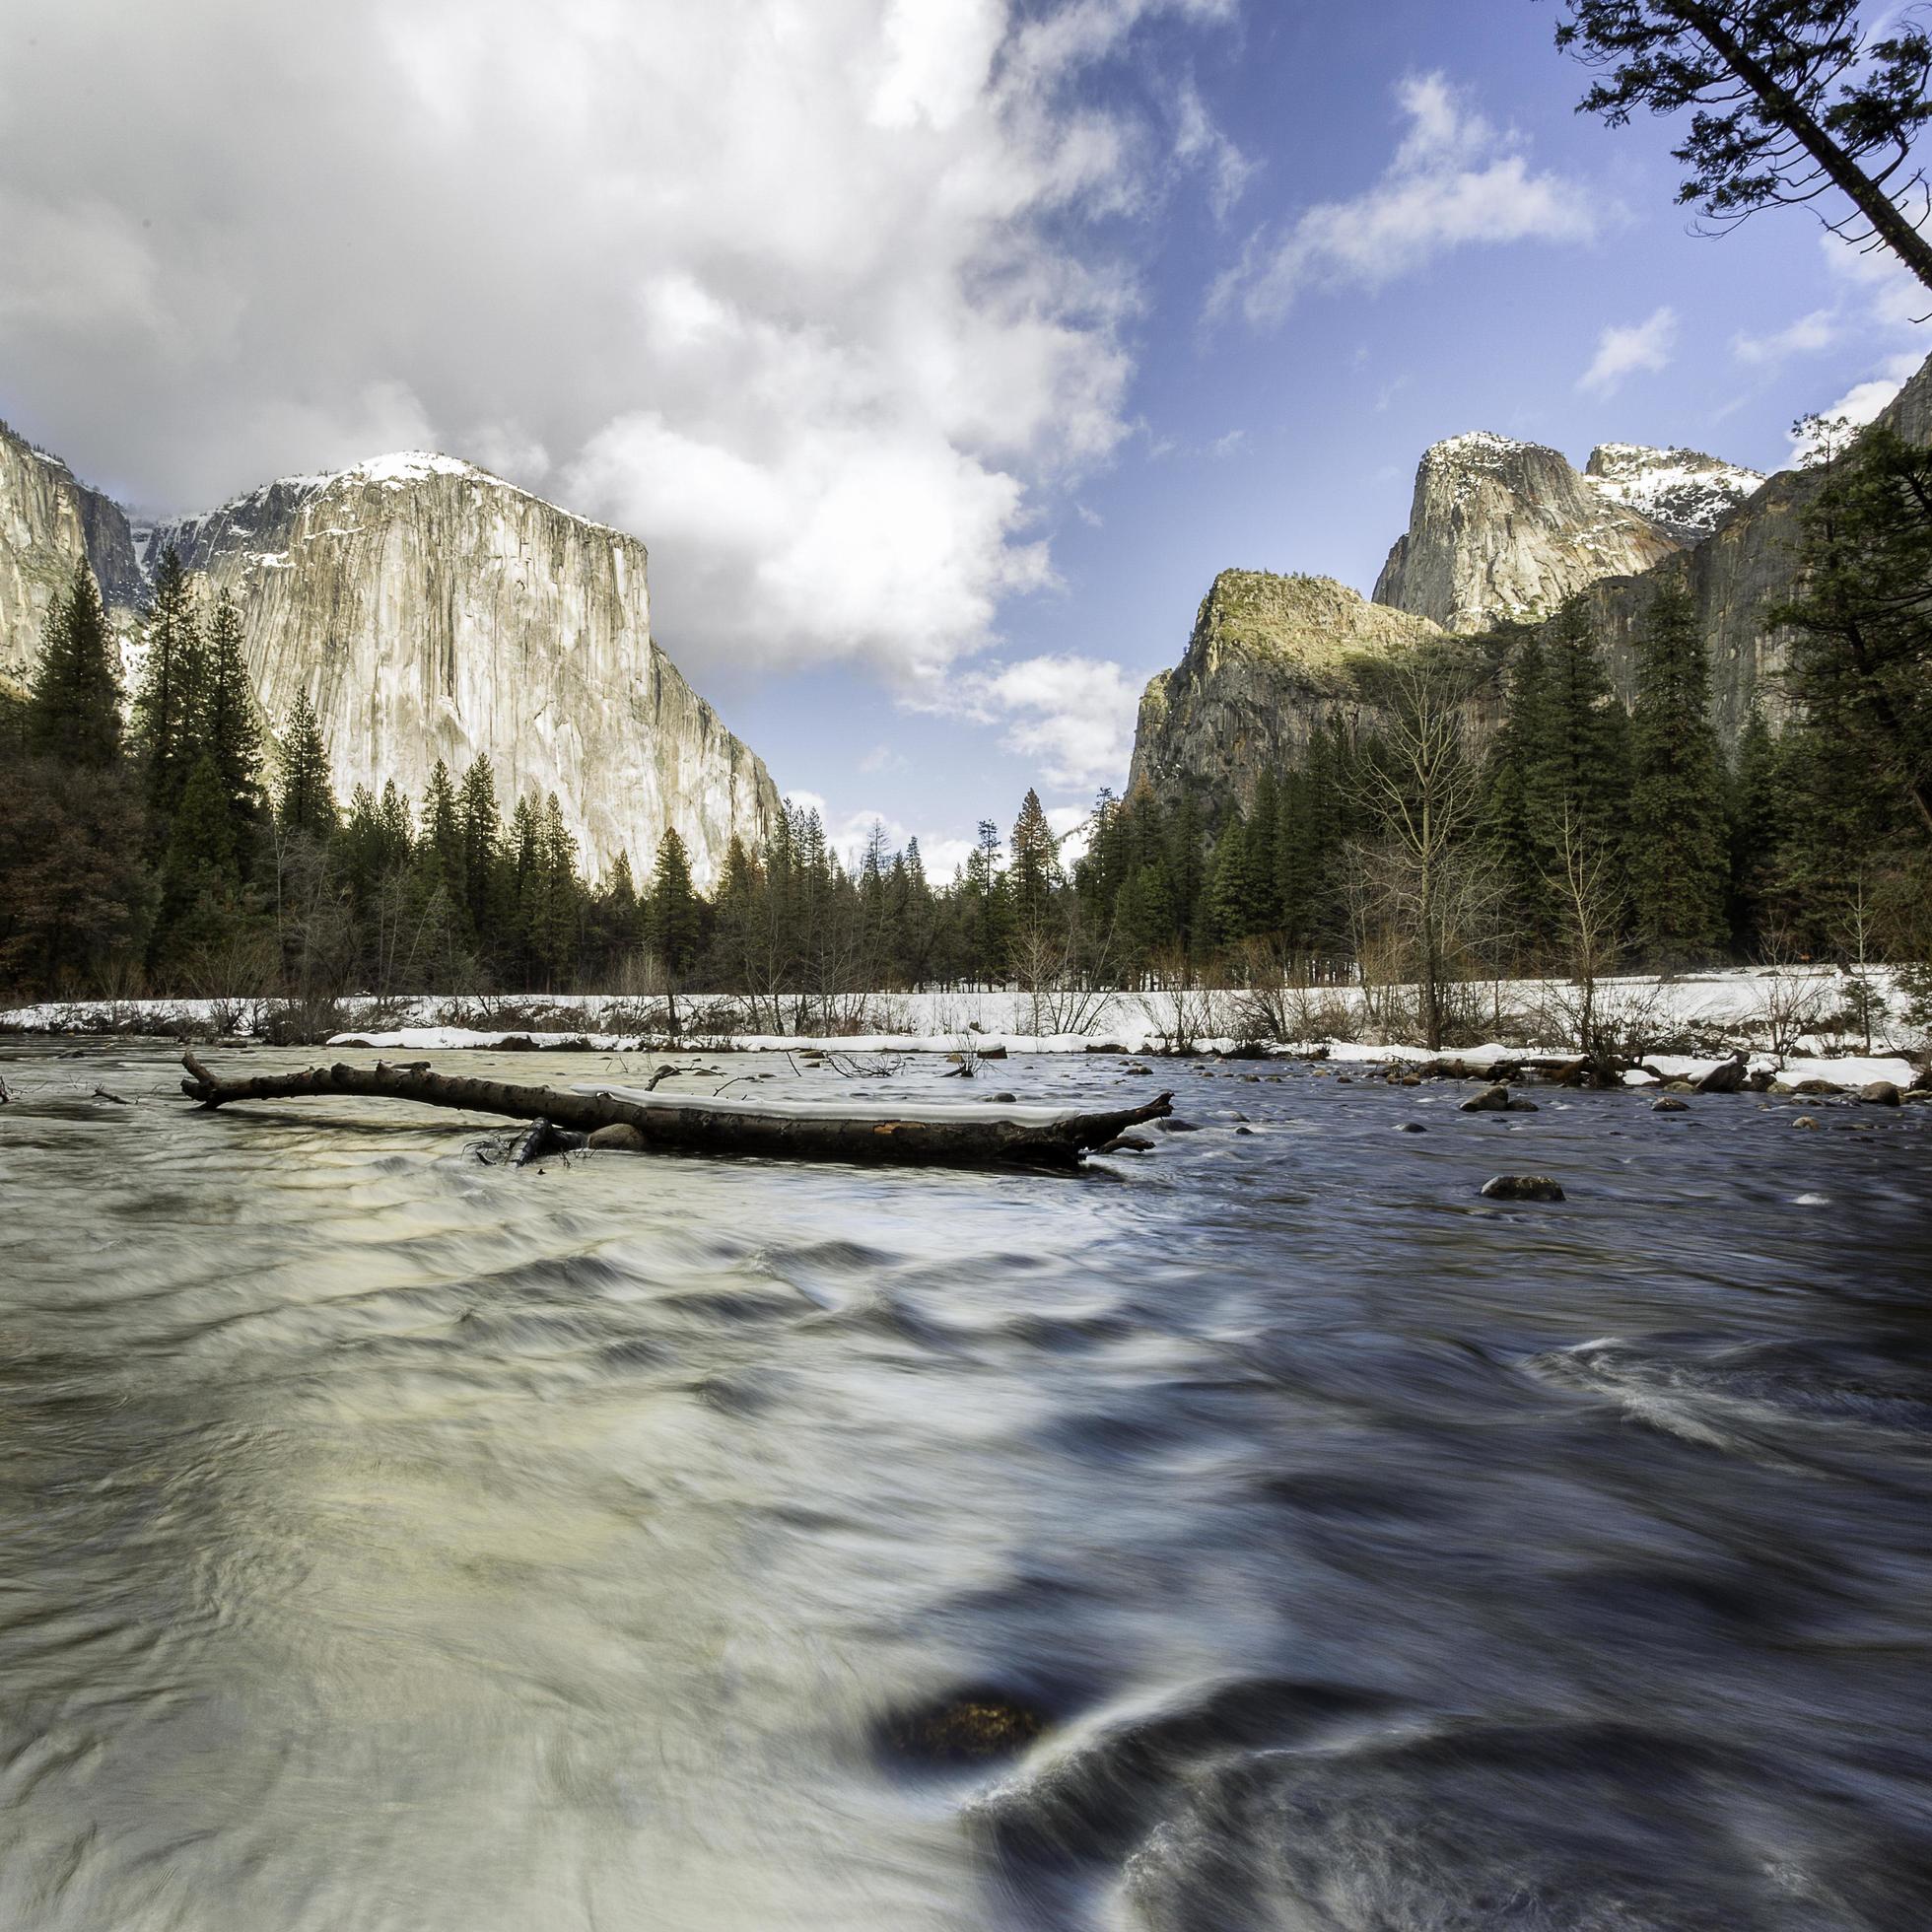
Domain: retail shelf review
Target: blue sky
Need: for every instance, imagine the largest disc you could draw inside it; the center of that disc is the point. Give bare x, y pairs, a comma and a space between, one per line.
1291, 445
941, 350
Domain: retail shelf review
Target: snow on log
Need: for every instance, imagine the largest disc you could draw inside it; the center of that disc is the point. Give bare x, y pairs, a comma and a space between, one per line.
929, 1136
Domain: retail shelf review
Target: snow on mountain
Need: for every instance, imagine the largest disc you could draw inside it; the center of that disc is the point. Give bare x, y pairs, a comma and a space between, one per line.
1682, 491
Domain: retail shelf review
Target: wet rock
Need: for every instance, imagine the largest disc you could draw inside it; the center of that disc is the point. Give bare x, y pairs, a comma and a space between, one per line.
1679, 1087
1006, 1099
1128, 1143
1669, 1104
1729, 1078
1522, 1187
1411, 1126
1816, 1089
618, 1138
1879, 1093
1491, 1100
1244, 1129
1172, 1126
971, 1727
1805, 1120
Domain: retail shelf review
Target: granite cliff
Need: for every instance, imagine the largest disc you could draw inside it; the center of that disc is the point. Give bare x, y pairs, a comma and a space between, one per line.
1504, 530
1746, 564
429, 611
1500, 530
1270, 660
49, 521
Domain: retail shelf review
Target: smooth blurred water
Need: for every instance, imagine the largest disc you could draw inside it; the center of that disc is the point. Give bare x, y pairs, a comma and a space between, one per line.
388, 1540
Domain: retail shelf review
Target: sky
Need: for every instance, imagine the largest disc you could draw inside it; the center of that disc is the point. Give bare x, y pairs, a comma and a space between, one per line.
941, 351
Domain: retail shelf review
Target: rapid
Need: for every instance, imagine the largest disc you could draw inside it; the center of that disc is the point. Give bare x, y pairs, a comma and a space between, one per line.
1265, 1532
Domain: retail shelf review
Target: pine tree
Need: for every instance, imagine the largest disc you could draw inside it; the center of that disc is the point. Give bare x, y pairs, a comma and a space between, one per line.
230, 732
1580, 770
1677, 861
674, 917
1518, 755
486, 893
304, 804
988, 915
168, 705
1862, 658
1263, 913
1035, 873
73, 707
1756, 831
439, 839
1231, 888
201, 875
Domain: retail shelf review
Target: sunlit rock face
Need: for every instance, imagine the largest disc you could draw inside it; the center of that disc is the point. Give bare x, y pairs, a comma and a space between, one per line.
1504, 530
1736, 577
49, 521
1268, 661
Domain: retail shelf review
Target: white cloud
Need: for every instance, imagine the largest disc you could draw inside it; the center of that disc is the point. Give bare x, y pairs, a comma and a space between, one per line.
1806, 336
1456, 181
811, 297
1201, 144
1227, 446
1864, 399
1075, 715
1625, 349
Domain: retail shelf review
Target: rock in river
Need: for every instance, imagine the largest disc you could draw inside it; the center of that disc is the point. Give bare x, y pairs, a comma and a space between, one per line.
1522, 1187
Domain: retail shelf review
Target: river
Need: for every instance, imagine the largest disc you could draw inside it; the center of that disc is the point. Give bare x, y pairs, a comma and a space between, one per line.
1268, 1532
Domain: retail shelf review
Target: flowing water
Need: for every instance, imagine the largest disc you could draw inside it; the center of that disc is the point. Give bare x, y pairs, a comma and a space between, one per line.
1271, 1532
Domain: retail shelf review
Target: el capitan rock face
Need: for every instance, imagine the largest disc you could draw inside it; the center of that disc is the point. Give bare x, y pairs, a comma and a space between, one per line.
1267, 663
431, 610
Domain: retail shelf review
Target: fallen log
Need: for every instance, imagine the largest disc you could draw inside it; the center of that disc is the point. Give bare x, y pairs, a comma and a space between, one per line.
955, 1138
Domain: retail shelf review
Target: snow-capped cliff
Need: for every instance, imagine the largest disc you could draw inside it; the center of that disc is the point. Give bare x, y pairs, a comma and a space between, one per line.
1683, 492
1499, 529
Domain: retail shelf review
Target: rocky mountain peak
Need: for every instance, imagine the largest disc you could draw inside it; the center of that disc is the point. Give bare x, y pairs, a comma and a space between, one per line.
1270, 656
1501, 528
1683, 492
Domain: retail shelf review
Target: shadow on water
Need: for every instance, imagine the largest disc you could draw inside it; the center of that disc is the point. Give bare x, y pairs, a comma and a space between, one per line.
1279, 1536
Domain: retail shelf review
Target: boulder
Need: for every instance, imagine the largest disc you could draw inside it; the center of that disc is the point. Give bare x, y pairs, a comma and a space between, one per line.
1879, 1093
1522, 1187
1805, 1120
1816, 1088
1728, 1077
1491, 1100
617, 1138
1669, 1104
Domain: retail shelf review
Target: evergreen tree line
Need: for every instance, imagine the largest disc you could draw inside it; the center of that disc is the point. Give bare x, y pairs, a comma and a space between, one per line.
1398, 841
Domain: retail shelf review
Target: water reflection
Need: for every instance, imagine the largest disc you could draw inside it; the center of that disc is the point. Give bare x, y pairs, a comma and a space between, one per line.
1275, 1535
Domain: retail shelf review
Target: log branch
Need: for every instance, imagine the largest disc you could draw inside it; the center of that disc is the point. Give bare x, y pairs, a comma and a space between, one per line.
911, 1141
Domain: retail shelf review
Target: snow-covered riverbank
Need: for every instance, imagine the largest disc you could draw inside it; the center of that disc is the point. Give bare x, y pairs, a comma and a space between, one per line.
1798, 1022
